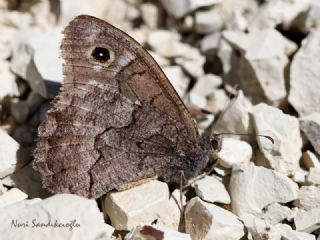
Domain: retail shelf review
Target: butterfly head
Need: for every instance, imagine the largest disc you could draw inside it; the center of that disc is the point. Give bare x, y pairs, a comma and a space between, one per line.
216, 142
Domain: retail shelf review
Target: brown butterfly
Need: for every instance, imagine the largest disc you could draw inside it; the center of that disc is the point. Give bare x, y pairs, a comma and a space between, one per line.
117, 120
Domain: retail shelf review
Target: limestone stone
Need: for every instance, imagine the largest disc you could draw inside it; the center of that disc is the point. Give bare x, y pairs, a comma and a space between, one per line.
307, 221
126, 212
276, 213
234, 152
210, 189
8, 84
150, 15
308, 197
210, 42
310, 125
217, 100
253, 188
12, 196
208, 21
163, 62
206, 221
77, 218
180, 8
314, 176
259, 69
177, 78
304, 76
284, 155
287, 233
309, 19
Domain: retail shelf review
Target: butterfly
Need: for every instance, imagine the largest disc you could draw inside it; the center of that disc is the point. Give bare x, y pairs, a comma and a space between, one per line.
117, 120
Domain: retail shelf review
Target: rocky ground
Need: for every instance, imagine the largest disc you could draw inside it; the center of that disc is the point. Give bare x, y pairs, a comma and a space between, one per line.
269, 49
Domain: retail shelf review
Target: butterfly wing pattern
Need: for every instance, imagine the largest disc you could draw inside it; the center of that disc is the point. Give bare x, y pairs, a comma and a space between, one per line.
117, 119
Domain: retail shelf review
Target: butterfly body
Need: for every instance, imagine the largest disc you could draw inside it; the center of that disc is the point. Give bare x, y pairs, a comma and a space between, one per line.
117, 119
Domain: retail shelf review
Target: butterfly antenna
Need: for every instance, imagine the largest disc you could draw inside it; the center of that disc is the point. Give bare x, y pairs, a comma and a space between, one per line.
245, 134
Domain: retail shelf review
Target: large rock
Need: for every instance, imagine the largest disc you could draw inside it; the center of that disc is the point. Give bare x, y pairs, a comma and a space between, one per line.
307, 221
62, 216
180, 8
36, 59
126, 212
259, 68
205, 221
253, 188
285, 153
304, 76
310, 125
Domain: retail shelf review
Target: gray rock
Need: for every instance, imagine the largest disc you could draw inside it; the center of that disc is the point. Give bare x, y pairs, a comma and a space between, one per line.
63, 216
253, 188
19, 110
284, 155
304, 76
310, 126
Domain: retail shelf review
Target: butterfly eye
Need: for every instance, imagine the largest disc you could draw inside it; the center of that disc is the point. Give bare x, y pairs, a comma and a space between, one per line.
101, 54
216, 143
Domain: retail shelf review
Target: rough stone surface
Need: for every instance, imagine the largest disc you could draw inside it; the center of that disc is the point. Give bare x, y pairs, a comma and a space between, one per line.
65, 209
126, 212
308, 197
314, 176
210, 189
285, 153
260, 67
304, 76
253, 188
206, 221
234, 152
307, 221
310, 125
12, 196
276, 213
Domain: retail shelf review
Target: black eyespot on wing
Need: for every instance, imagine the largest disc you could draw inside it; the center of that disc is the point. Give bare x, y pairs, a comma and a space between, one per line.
101, 54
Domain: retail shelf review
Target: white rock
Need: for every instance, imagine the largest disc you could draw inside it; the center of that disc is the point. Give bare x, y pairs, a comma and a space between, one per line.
36, 59
9, 149
150, 232
109, 232
180, 8
206, 221
253, 188
177, 78
206, 84
225, 54
310, 160
304, 76
150, 15
126, 212
236, 118
307, 221
210, 189
234, 152
285, 153
310, 125
210, 42
12, 196
300, 176
197, 100
163, 62
208, 21
238, 21
193, 65
290, 46
274, 12
80, 218
8, 84
261, 64
314, 176
288, 234
308, 197
276, 213
3, 189
6, 36
217, 100
170, 217
139, 34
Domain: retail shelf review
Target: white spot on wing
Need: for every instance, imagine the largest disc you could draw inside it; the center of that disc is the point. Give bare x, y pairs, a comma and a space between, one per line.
123, 61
